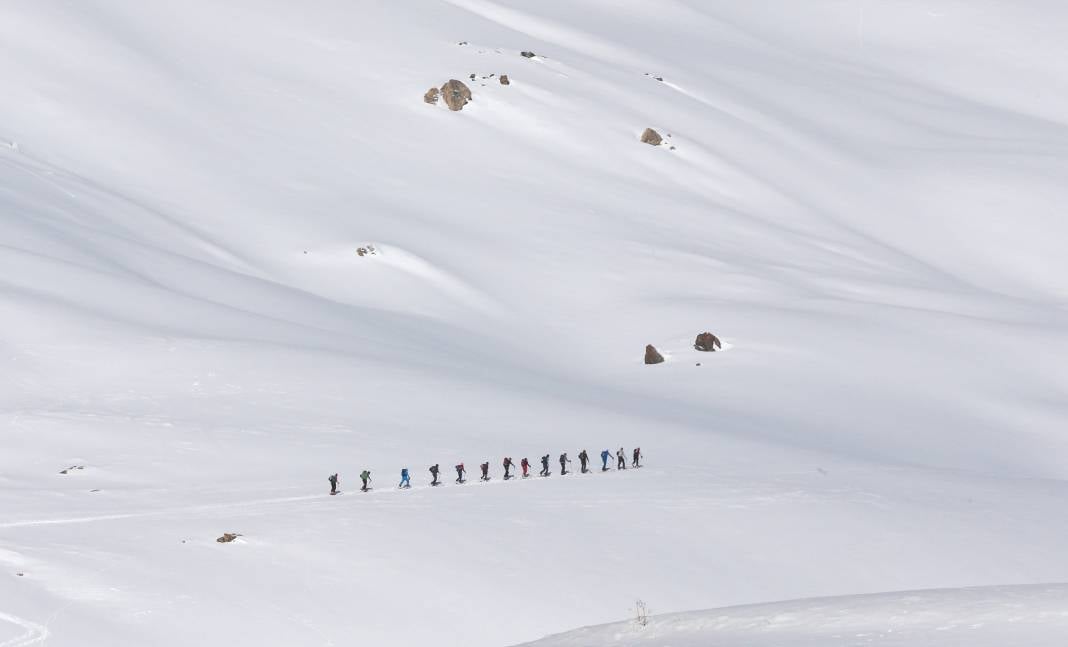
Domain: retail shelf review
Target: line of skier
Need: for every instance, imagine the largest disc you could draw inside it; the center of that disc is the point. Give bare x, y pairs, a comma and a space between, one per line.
509, 465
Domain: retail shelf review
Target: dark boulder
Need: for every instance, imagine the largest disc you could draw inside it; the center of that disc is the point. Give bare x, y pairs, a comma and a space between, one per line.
707, 342
653, 356
651, 137
456, 94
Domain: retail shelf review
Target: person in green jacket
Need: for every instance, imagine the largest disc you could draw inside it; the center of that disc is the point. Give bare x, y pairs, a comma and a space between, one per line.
365, 476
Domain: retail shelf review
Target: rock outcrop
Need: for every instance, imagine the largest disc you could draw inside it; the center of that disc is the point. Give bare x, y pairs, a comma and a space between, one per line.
653, 356
228, 537
456, 94
527, 54
651, 137
707, 342
431, 96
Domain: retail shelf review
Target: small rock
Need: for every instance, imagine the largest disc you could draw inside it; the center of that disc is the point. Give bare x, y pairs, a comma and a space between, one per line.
707, 342
653, 356
671, 148
431, 96
698, 363
504, 80
228, 537
527, 54
455, 94
651, 137
472, 76
462, 43
659, 78
20, 574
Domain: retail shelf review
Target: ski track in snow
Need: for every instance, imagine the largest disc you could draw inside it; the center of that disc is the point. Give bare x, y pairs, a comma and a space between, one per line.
373, 492
34, 633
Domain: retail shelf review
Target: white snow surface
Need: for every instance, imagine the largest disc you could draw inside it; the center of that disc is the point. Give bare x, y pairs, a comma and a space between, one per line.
864, 202
1035, 615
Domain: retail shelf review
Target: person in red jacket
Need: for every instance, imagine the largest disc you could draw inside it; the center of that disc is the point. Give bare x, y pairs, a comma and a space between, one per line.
525, 464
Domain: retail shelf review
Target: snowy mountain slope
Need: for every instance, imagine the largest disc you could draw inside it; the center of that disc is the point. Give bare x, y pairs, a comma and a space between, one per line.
861, 205
1027, 615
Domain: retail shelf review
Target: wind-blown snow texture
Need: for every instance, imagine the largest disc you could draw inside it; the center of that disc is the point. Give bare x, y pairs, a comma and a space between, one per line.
864, 202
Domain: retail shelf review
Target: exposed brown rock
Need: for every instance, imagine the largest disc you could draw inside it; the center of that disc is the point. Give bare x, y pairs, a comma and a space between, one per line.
455, 94
228, 537
504, 80
652, 356
707, 342
431, 96
651, 137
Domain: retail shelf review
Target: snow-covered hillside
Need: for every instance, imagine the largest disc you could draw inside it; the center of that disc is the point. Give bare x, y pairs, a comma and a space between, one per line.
996, 616
862, 200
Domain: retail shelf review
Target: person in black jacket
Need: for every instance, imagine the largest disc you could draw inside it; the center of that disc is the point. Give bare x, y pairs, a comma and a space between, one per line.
545, 465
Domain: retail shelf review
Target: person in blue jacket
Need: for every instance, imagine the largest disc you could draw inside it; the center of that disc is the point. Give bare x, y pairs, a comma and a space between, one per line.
604, 460
405, 480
